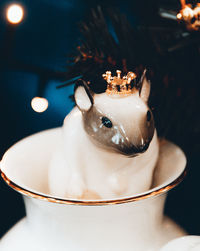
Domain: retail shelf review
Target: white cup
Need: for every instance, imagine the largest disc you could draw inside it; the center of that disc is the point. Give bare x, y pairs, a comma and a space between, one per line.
185, 243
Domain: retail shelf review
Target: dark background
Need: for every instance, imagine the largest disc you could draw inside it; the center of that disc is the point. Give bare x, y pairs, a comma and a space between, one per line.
41, 43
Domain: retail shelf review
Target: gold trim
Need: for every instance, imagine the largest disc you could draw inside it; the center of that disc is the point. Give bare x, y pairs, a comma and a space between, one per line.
97, 202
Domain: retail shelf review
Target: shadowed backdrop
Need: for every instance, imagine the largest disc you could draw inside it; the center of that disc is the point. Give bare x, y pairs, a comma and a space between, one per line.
35, 51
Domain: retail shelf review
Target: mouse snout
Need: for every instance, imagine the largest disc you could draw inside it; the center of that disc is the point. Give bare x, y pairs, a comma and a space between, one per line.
142, 148
132, 150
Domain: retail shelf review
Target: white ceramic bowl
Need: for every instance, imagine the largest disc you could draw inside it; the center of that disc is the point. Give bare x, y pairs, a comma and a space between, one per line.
53, 223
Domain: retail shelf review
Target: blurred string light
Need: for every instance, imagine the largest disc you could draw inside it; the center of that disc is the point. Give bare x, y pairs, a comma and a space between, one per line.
39, 103
15, 13
190, 15
14, 16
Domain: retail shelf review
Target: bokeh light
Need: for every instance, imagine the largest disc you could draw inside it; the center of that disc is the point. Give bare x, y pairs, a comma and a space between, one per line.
39, 104
15, 13
187, 12
179, 16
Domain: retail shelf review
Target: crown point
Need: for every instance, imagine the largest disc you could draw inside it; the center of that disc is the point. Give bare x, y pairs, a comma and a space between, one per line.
118, 73
118, 85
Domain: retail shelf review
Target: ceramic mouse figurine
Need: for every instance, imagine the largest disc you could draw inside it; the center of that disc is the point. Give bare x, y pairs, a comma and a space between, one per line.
108, 146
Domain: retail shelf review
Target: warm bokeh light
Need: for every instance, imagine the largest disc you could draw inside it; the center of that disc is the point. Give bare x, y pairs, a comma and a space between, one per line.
190, 16
187, 12
179, 16
15, 13
183, 3
197, 11
39, 104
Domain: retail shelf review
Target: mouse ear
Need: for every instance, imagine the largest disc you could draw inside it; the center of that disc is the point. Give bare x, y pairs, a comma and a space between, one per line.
144, 87
83, 96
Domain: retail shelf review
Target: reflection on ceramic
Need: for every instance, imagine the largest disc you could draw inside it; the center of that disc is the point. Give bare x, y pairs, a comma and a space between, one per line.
130, 223
109, 145
185, 243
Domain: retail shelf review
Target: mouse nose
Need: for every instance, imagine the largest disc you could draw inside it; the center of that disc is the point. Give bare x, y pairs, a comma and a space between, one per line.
142, 148
133, 150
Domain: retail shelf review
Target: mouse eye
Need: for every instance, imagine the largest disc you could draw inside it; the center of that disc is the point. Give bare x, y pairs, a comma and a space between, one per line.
148, 116
106, 122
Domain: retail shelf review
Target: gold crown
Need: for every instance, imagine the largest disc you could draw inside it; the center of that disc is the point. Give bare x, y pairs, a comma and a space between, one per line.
118, 85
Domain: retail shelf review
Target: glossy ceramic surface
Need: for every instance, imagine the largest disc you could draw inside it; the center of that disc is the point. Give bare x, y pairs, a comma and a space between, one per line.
52, 223
185, 243
108, 147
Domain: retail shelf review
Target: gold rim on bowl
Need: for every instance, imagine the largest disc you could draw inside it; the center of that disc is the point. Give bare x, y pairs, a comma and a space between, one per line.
49, 198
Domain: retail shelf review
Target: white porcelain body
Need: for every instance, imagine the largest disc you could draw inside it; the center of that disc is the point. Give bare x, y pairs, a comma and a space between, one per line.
131, 226
51, 224
103, 157
185, 243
